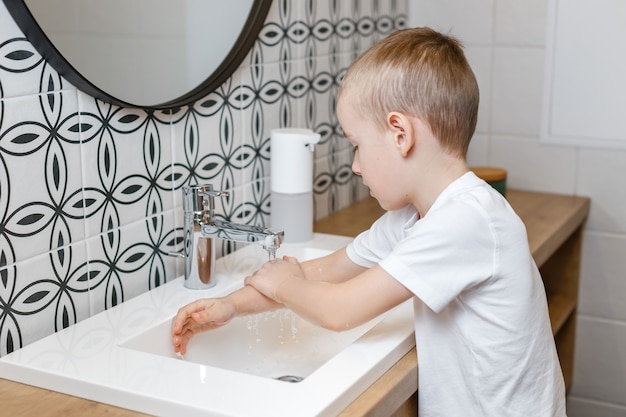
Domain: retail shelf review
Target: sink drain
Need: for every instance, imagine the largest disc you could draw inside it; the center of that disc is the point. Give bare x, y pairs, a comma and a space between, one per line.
290, 378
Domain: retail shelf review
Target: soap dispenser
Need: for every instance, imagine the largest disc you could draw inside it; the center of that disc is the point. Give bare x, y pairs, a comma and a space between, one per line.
291, 165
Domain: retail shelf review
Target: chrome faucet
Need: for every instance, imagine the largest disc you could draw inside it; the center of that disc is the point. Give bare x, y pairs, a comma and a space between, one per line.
201, 228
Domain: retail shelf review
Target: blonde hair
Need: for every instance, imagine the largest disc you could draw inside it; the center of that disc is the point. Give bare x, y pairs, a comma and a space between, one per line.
422, 73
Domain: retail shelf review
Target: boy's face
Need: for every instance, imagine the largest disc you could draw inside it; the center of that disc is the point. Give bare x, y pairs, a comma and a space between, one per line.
376, 160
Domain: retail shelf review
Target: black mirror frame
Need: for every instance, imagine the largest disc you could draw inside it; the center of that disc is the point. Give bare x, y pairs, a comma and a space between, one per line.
35, 34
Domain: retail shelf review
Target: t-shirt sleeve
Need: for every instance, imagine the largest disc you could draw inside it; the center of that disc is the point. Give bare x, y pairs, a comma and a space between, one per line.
372, 245
447, 252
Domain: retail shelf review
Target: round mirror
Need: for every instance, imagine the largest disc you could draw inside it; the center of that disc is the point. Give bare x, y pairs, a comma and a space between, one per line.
157, 54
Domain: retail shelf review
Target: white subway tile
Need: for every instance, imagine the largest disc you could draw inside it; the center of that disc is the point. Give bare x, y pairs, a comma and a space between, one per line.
532, 166
517, 90
469, 20
602, 277
478, 152
600, 176
600, 363
480, 59
583, 407
520, 22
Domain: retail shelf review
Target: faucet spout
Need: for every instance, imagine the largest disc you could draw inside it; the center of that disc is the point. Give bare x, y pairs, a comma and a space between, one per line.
202, 228
268, 237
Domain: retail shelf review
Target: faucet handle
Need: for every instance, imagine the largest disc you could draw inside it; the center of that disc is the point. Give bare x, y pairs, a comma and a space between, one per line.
208, 200
214, 193
200, 198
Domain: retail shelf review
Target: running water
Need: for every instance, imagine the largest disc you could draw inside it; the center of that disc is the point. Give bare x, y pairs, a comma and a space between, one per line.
294, 328
286, 325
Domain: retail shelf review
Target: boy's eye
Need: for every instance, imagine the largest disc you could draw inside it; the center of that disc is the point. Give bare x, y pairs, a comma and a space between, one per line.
355, 148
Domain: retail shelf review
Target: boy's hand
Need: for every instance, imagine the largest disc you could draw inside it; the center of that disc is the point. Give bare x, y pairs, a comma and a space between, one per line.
271, 275
197, 317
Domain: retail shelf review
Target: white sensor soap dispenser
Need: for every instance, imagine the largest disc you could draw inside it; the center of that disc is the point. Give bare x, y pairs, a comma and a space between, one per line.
291, 167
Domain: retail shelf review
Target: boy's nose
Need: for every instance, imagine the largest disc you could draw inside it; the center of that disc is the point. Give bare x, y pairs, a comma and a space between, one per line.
356, 168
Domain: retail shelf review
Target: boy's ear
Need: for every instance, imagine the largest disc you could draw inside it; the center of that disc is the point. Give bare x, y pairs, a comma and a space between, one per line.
403, 132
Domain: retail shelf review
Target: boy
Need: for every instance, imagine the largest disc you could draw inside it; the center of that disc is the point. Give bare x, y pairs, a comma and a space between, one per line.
408, 105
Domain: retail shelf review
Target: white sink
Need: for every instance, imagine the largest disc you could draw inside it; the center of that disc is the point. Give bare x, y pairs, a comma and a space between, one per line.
278, 345
123, 356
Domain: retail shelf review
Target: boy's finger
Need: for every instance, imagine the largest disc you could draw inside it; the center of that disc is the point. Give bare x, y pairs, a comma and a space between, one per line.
291, 259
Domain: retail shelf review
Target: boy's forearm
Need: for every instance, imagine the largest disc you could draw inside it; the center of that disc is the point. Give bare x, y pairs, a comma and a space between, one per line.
336, 267
320, 303
341, 305
305, 287
248, 300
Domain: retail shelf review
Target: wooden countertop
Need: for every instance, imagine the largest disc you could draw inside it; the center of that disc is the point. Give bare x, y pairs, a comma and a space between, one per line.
550, 219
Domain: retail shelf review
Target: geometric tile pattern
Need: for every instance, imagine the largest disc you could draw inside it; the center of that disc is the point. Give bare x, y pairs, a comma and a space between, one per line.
89, 192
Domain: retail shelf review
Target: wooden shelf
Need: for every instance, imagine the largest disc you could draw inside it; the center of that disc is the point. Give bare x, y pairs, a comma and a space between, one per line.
560, 308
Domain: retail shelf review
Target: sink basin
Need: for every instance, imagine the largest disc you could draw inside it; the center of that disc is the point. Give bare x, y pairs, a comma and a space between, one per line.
278, 345
123, 356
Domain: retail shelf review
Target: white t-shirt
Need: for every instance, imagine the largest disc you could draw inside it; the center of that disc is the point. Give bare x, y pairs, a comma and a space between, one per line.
482, 330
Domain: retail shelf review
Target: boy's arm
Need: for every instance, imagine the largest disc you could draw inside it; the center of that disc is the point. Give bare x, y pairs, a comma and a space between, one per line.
335, 267
209, 313
334, 303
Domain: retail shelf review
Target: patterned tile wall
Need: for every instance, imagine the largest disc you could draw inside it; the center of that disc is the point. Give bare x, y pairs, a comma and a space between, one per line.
90, 193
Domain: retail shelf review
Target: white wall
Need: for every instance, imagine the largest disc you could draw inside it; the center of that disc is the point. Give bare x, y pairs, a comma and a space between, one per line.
505, 43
